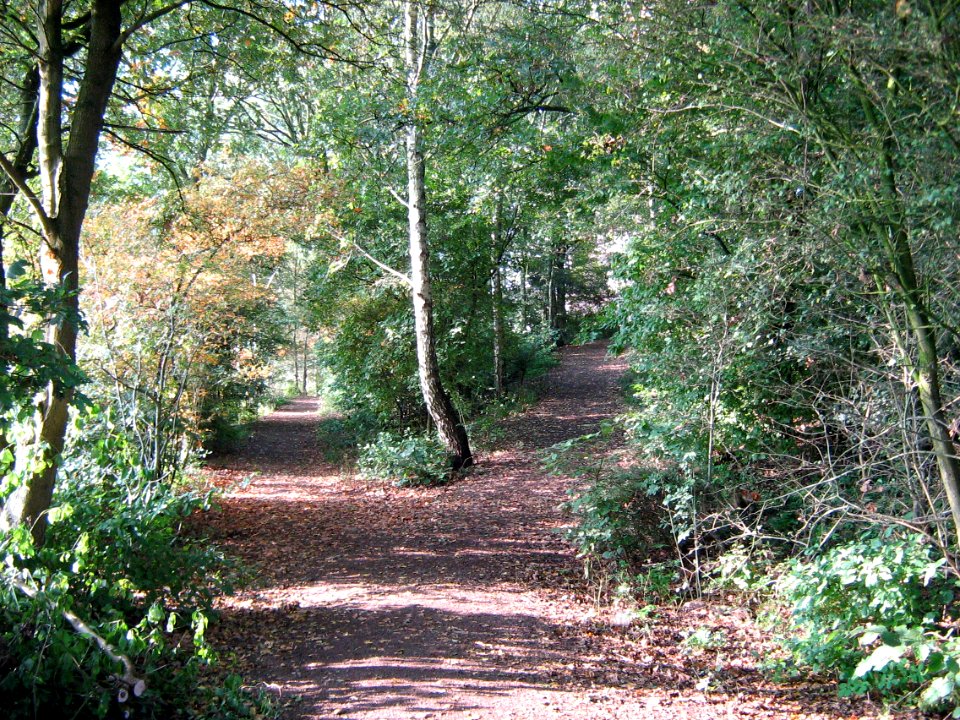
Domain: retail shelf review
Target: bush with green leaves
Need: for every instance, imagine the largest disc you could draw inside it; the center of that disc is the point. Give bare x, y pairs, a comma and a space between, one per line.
115, 569
611, 505
27, 361
876, 613
405, 459
611, 514
339, 437
528, 358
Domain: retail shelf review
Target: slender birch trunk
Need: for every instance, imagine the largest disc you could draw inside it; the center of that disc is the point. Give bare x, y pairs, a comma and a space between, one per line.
418, 42
557, 293
496, 298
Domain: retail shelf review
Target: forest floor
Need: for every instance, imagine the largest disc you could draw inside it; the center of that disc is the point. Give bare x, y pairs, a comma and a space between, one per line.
464, 602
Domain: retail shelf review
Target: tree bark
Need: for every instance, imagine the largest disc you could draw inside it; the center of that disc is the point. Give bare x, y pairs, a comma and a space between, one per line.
895, 239
65, 181
496, 298
926, 370
557, 291
418, 41
306, 353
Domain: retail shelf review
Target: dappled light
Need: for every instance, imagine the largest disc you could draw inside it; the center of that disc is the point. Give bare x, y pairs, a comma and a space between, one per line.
479, 359
460, 601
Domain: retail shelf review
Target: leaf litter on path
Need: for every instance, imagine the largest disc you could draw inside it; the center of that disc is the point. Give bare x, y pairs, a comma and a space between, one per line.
381, 603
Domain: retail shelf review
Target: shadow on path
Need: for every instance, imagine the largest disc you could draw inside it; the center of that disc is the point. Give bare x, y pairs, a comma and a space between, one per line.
380, 603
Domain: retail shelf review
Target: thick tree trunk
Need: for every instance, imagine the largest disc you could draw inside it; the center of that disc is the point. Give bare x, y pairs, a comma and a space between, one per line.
417, 32
65, 180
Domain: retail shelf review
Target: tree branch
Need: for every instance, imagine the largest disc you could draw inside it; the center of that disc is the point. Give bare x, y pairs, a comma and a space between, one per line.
18, 181
398, 197
383, 266
149, 18
136, 684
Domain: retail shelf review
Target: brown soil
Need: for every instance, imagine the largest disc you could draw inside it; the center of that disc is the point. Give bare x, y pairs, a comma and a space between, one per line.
374, 602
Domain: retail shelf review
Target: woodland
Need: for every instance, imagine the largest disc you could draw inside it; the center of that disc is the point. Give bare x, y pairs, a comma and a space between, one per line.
405, 207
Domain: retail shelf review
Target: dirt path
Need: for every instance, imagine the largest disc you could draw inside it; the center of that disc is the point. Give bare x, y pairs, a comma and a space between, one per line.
379, 603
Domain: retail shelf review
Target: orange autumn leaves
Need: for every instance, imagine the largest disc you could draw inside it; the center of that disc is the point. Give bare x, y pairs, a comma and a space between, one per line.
182, 296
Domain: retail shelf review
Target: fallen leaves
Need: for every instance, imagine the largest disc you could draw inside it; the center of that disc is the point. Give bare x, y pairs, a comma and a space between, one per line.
377, 603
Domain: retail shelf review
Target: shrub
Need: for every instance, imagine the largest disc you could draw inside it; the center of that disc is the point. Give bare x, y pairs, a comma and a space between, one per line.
612, 507
872, 612
405, 460
531, 358
115, 561
339, 436
611, 514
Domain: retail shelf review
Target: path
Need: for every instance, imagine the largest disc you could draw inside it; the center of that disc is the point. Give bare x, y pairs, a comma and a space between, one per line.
380, 603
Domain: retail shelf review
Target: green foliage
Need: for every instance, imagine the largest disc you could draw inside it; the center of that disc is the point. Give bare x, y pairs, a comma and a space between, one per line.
405, 459
611, 514
529, 358
600, 325
654, 583
872, 612
704, 638
373, 359
27, 362
612, 508
744, 569
334, 438
116, 558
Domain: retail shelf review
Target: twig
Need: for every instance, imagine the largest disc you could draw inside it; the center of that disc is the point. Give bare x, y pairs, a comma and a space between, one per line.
398, 198
136, 684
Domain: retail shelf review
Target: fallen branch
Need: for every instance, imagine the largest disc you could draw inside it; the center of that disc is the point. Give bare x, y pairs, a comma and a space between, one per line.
135, 684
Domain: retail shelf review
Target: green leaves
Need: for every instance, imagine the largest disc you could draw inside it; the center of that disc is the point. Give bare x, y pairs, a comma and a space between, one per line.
115, 559
405, 460
938, 691
28, 363
871, 612
879, 658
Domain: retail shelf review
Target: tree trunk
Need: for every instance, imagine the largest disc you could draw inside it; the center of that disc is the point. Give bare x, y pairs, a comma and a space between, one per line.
557, 300
417, 40
894, 237
496, 282
306, 352
926, 369
296, 330
296, 361
65, 180
524, 292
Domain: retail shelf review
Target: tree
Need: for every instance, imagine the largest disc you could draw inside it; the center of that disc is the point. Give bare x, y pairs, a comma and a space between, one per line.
419, 55
80, 46
781, 174
65, 170
184, 318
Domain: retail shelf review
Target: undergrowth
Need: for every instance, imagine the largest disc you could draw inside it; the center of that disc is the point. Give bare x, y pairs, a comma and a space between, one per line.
874, 608
405, 460
116, 581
